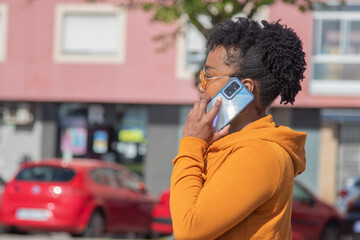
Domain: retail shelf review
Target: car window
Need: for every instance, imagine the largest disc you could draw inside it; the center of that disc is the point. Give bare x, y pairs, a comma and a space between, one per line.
46, 174
132, 183
2, 181
125, 179
357, 183
102, 176
300, 194
120, 178
115, 178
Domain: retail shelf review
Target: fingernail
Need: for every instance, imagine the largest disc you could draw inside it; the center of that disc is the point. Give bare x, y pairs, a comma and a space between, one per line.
218, 101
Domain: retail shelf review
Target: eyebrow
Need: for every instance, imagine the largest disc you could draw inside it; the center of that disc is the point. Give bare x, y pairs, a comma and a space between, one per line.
207, 67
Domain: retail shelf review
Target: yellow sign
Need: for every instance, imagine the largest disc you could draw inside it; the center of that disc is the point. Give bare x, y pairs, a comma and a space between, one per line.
131, 135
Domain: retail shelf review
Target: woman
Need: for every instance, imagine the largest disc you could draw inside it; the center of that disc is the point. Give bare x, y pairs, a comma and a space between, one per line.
237, 183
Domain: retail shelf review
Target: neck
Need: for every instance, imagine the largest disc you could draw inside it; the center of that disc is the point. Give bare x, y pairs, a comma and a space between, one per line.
243, 119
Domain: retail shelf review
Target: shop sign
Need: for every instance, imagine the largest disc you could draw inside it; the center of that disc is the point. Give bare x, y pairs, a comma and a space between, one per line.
100, 141
74, 140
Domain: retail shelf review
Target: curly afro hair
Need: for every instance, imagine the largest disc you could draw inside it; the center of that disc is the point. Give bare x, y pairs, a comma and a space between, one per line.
271, 55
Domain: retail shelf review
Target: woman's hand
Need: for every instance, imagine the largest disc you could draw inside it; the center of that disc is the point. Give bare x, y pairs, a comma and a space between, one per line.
200, 124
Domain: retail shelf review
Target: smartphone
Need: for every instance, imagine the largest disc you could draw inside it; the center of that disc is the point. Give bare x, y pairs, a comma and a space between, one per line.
235, 97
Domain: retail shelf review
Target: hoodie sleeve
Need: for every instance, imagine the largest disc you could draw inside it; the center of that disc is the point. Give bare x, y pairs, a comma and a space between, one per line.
242, 184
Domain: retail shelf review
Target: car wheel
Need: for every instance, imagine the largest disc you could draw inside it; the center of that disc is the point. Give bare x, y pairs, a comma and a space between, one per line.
331, 232
96, 225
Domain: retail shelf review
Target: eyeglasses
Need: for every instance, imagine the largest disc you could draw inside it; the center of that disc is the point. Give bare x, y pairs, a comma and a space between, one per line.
205, 79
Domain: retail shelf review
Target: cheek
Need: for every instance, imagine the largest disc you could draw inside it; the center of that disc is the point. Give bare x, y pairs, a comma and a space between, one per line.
211, 92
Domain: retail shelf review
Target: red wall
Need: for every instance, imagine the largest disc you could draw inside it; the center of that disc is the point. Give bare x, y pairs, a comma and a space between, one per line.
29, 72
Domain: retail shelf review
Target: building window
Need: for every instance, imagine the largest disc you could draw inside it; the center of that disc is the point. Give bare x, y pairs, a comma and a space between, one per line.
195, 49
90, 33
191, 51
191, 46
3, 30
336, 51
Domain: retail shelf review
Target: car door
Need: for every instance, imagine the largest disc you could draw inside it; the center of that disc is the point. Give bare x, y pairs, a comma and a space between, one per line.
138, 213
143, 202
113, 198
306, 215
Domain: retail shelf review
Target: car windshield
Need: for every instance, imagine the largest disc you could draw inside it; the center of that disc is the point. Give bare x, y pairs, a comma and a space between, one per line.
46, 174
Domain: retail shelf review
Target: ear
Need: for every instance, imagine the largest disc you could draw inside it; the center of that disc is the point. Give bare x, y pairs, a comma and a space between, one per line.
249, 83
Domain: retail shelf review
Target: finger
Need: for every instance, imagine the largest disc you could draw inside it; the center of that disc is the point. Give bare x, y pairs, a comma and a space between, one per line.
215, 109
222, 133
203, 102
197, 112
191, 112
203, 96
201, 89
196, 108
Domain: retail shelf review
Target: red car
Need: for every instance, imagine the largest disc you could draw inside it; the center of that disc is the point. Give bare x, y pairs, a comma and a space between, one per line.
161, 223
82, 197
312, 219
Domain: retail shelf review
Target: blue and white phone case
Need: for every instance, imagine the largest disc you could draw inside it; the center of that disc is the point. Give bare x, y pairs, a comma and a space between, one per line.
235, 97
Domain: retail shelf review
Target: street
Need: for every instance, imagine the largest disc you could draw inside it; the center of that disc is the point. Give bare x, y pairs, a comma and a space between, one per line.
63, 236
40, 236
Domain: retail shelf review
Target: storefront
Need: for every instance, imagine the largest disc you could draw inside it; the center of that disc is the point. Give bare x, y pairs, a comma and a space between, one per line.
110, 132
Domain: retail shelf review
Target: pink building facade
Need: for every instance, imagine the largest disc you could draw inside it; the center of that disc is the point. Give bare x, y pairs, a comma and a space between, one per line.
85, 79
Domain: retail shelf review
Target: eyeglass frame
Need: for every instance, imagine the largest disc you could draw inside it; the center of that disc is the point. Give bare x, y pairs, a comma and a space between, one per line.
204, 79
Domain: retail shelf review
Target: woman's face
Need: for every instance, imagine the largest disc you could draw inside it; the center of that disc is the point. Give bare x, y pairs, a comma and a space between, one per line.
215, 67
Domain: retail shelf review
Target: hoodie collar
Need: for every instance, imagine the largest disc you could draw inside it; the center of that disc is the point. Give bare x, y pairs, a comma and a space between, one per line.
245, 133
264, 129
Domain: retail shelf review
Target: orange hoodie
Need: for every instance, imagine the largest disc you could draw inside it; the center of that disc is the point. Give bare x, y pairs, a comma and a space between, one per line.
240, 187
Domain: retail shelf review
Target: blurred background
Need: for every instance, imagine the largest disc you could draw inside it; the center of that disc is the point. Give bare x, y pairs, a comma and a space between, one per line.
114, 80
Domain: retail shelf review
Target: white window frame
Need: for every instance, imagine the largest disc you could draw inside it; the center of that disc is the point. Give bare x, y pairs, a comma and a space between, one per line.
181, 71
4, 9
63, 9
337, 87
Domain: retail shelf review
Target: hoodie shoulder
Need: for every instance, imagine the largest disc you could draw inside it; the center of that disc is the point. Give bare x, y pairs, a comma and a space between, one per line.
264, 130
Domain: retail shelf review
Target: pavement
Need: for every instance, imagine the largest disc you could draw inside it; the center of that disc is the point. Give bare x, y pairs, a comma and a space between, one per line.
65, 236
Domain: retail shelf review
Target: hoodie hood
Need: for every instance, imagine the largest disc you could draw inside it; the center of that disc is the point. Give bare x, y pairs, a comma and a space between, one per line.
265, 129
